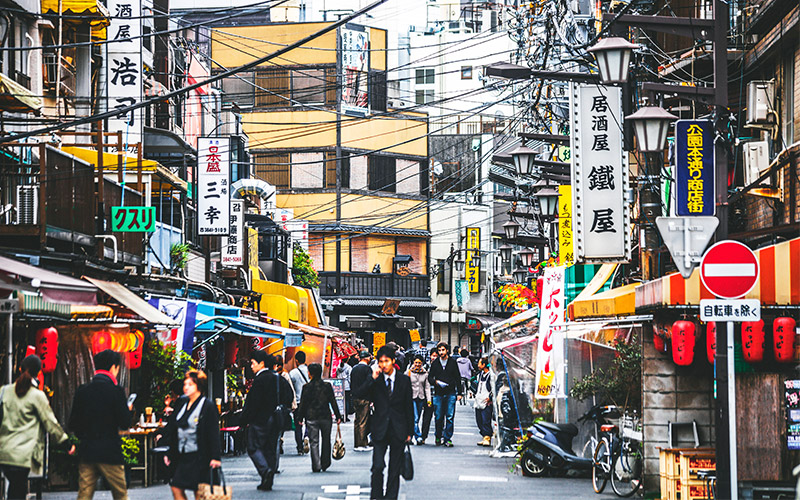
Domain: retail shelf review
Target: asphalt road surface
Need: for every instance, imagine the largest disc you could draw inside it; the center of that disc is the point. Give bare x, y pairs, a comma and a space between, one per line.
463, 472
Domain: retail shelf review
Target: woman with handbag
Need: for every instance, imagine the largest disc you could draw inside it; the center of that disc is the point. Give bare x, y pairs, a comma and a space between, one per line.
192, 434
316, 402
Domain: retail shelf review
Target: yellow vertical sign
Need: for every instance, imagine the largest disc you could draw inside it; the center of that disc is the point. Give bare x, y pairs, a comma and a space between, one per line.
473, 272
252, 252
566, 255
378, 341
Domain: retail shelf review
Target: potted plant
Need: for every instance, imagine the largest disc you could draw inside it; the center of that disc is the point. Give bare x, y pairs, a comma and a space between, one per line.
130, 454
303, 271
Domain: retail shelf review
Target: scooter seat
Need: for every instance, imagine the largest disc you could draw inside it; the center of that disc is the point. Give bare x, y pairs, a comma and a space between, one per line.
569, 429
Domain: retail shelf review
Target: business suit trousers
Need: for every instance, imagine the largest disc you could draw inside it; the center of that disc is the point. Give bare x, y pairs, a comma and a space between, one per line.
396, 447
262, 446
361, 424
88, 474
319, 433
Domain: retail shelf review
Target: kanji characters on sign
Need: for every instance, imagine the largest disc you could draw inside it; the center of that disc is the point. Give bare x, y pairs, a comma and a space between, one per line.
124, 70
213, 186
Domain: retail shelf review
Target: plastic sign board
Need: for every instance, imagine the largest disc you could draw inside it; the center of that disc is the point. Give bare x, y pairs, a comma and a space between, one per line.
694, 165
472, 272
378, 341
8, 306
124, 71
686, 238
232, 253
566, 254
355, 67
601, 220
550, 350
213, 186
133, 219
729, 269
730, 310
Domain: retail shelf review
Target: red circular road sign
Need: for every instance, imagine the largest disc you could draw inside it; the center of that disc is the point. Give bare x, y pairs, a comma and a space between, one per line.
729, 269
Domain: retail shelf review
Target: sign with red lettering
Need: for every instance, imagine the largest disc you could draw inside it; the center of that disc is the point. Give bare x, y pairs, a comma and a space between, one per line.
213, 186
550, 351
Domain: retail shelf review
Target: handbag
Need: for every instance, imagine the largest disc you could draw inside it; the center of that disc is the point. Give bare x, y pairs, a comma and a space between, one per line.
283, 415
211, 491
408, 464
338, 446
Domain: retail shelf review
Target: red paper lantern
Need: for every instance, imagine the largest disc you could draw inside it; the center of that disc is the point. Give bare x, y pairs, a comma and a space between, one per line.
753, 341
231, 352
47, 348
783, 337
711, 341
30, 351
135, 355
101, 341
659, 343
684, 338
539, 287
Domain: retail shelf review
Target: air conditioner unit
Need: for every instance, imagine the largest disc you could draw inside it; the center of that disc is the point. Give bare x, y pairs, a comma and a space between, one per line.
28, 204
761, 103
756, 160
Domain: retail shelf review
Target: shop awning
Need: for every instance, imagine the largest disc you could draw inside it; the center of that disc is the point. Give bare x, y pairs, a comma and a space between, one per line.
54, 287
614, 302
411, 304
133, 302
320, 331
34, 305
778, 284
513, 321
247, 327
16, 98
89, 8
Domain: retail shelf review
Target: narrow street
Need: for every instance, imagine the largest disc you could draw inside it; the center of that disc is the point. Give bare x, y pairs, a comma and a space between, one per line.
462, 472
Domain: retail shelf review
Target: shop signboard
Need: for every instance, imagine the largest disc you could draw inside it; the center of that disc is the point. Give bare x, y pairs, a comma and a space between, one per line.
472, 272
124, 70
378, 341
133, 219
792, 395
694, 167
601, 220
550, 350
9, 306
414, 335
252, 252
338, 392
232, 253
354, 42
213, 186
566, 255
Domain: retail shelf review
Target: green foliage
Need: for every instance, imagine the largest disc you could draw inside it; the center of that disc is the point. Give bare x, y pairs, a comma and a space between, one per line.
162, 364
178, 256
303, 268
620, 382
130, 450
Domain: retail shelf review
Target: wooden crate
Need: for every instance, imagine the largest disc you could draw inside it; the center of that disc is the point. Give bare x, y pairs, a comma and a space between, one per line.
670, 487
692, 463
693, 490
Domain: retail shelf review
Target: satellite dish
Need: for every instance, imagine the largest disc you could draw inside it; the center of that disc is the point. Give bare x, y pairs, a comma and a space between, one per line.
438, 169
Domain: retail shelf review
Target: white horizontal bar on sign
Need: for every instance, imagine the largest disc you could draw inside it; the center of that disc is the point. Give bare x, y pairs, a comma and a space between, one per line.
729, 270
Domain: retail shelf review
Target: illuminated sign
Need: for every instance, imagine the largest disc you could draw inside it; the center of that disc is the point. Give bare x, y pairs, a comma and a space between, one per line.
694, 158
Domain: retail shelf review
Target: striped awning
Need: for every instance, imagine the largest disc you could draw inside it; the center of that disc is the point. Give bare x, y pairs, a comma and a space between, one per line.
778, 284
614, 302
31, 304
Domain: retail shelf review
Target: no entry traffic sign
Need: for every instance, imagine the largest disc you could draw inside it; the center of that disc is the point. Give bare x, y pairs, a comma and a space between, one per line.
729, 269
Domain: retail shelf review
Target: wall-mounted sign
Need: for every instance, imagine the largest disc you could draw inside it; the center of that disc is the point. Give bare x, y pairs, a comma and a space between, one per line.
378, 341
133, 219
355, 69
233, 248
472, 273
414, 335
213, 186
550, 350
694, 159
792, 401
601, 220
566, 254
124, 71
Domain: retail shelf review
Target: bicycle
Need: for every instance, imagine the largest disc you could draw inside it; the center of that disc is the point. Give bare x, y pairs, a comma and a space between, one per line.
600, 416
618, 458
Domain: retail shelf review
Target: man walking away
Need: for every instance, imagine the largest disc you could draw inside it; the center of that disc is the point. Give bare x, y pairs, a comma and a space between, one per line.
267, 392
99, 412
299, 376
465, 370
483, 402
358, 376
315, 409
392, 423
446, 383
427, 410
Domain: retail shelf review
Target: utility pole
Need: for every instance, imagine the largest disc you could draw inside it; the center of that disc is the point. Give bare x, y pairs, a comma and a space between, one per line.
338, 159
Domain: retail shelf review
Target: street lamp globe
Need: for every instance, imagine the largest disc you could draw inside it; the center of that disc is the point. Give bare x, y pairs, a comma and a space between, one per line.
651, 125
613, 57
527, 257
511, 229
523, 160
459, 264
505, 252
519, 275
547, 197
476, 258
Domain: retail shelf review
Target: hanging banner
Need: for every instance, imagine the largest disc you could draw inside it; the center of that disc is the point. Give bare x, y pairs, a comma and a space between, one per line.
550, 351
213, 186
184, 311
124, 71
378, 341
694, 167
252, 253
566, 255
355, 70
473, 272
233, 250
599, 175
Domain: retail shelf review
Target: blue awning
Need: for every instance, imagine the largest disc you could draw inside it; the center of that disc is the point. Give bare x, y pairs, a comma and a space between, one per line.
245, 326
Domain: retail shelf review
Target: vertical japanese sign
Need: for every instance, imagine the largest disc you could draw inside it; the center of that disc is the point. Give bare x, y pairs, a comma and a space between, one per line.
566, 255
792, 395
694, 162
550, 351
252, 252
355, 69
213, 186
599, 175
124, 71
473, 272
233, 248
378, 341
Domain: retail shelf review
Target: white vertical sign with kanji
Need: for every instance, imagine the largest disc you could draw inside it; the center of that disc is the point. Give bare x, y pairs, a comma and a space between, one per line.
213, 186
599, 175
550, 350
233, 246
124, 71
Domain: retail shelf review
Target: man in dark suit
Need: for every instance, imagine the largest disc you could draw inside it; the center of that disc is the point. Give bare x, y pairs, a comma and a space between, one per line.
267, 392
99, 412
392, 421
360, 374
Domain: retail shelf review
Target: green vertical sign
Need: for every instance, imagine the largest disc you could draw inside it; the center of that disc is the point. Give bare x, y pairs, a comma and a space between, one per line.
133, 219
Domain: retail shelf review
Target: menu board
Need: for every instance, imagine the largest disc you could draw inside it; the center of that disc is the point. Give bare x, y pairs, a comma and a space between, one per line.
338, 392
792, 393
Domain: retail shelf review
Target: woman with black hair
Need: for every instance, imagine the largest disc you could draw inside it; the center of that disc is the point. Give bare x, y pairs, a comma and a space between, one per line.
26, 417
192, 434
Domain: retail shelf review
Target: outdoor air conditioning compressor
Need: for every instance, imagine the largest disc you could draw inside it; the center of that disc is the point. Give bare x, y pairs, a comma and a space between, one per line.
761, 104
28, 204
756, 160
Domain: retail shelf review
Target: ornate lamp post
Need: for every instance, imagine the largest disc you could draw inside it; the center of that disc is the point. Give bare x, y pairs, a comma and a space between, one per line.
613, 57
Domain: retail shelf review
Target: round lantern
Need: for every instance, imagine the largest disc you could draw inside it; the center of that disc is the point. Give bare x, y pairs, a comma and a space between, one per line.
231, 352
684, 338
47, 348
101, 341
659, 342
753, 341
711, 341
539, 287
135, 355
783, 337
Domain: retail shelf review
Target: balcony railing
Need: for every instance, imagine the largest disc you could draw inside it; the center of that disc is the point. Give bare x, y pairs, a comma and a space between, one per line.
372, 285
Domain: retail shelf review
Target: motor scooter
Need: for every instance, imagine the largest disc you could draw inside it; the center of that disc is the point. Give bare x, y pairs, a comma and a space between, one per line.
548, 447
